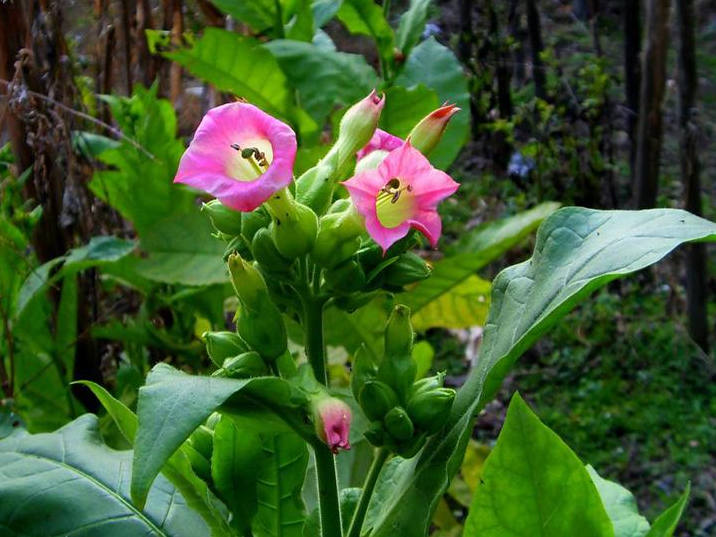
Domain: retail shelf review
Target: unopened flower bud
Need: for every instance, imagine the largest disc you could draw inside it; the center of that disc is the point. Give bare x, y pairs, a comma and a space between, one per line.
362, 370
430, 409
266, 254
377, 399
359, 123
345, 278
399, 333
294, 225
409, 268
248, 364
429, 383
398, 424
375, 434
223, 219
426, 134
332, 420
247, 281
338, 237
253, 221
223, 345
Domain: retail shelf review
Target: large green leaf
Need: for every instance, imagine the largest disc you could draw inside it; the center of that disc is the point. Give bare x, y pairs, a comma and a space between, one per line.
366, 17
404, 108
172, 404
280, 477
69, 483
177, 469
180, 249
412, 24
436, 67
665, 524
462, 306
324, 79
262, 15
577, 251
620, 506
533, 485
239, 65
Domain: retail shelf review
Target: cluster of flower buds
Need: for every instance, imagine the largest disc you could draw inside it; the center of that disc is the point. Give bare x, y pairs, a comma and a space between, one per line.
288, 241
403, 412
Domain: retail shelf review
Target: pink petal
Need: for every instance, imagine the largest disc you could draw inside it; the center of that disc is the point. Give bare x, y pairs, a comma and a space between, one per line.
429, 224
381, 140
434, 187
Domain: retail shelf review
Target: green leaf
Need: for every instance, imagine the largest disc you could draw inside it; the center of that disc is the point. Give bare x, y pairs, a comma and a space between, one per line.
412, 24
180, 249
577, 251
249, 70
365, 17
436, 67
259, 14
404, 108
296, 16
281, 475
324, 10
665, 524
324, 79
534, 485
620, 506
79, 486
177, 469
172, 404
452, 284
234, 470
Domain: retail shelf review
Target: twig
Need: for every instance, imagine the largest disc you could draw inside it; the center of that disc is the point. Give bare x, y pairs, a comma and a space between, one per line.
118, 133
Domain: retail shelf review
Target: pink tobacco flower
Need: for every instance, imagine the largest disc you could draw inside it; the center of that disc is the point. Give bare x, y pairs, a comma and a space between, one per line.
401, 193
240, 155
332, 418
381, 141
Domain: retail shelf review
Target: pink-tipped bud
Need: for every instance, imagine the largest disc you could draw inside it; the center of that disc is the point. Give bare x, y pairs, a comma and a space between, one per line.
332, 419
359, 123
426, 134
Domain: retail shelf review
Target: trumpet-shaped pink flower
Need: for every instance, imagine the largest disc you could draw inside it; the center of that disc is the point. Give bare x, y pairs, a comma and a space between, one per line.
381, 141
333, 422
402, 193
240, 155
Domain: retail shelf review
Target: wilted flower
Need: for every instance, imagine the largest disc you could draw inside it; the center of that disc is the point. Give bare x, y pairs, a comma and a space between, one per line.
402, 193
240, 155
332, 418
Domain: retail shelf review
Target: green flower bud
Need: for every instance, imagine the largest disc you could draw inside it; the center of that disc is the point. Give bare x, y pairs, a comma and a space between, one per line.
426, 134
409, 268
377, 399
410, 448
430, 409
354, 301
340, 205
223, 345
247, 281
266, 254
346, 278
315, 187
338, 237
253, 221
363, 369
294, 225
399, 333
429, 383
223, 219
398, 424
375, 434
358, 125
248, 364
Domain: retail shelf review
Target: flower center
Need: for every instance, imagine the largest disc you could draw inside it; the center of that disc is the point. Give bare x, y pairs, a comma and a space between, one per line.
395, 203
252, 159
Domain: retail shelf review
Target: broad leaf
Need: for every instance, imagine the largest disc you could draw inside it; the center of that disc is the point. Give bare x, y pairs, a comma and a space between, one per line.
69, 482
172, 404
412, 24
577, 251
177, 469
296, 18
665, 524
620, 506
324, 10
534, 485
324, 79
281, 472
404, 108
249, 70
462, 306
180, 249
436, 67
366, 17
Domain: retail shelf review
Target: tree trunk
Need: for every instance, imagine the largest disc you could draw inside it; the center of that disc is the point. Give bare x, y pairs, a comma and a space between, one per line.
534, 29
653, 81
175, 71
632, 75
696, 285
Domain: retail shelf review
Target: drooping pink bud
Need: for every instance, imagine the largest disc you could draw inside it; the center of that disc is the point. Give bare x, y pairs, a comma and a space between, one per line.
332, 419
426, 134
240, 155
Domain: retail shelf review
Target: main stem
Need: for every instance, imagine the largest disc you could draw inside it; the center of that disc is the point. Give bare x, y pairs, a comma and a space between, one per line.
381, 456
329, 507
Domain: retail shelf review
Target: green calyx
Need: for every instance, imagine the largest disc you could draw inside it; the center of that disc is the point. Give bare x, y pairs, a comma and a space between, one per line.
266, 254
223, 345
429, 409
223, 219
294, 226
338, 237
377, 399
246, 365
409, 268
345, 278
399, 333
398, 424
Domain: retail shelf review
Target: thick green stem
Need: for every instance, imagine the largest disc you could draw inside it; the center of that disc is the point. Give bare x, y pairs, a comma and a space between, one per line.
381, 456
329, 507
